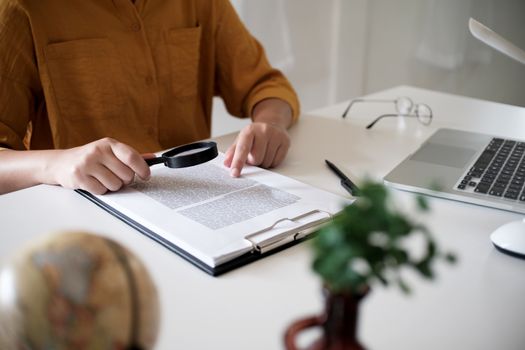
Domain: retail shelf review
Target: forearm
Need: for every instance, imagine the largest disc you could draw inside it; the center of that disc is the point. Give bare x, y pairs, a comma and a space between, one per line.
273, 111
22, 169
100, 166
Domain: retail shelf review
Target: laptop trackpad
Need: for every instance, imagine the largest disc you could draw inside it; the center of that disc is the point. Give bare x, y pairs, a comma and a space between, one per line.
451, 156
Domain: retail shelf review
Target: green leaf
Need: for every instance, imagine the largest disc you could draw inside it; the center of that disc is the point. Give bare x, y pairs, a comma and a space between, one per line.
400, 256
424, 269
422, 203
451, 258
403, 286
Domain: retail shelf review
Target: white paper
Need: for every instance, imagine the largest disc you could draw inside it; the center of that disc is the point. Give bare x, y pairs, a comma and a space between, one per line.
212, 216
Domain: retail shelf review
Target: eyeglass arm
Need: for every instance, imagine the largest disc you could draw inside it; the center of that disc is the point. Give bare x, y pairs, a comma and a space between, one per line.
352, 102
369, 126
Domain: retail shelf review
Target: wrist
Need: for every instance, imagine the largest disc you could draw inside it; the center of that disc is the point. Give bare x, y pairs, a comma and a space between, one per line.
47, 166
273, 111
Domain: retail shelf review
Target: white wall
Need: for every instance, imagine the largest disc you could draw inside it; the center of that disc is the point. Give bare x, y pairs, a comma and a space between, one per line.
427, 44
333, 50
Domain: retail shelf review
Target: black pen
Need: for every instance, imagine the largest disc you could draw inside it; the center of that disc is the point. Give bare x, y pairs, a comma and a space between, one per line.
345, 181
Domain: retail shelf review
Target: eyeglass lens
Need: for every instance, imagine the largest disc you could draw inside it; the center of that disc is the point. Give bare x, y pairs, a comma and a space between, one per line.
424, 113
404, 105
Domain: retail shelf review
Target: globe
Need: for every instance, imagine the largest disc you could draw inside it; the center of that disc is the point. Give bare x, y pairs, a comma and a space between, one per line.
77, 290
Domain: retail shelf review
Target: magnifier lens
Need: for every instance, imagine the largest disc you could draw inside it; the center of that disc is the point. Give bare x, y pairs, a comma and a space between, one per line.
192, 151
187, 155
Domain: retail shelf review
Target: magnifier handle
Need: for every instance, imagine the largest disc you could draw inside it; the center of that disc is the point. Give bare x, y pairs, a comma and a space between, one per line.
153, 161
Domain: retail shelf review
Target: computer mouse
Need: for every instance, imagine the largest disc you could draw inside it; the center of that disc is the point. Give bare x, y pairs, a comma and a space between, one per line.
510, 238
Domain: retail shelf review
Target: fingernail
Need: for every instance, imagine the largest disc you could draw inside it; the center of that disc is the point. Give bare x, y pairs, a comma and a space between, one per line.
235, 172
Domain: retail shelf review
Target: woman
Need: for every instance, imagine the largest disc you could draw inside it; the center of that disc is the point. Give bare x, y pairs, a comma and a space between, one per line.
90, 88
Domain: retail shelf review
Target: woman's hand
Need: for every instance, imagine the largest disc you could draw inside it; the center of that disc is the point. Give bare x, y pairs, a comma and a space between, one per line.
261, 144
100, 166
265, 142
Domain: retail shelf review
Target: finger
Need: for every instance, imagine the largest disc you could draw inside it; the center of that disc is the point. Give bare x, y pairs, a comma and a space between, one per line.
132, 159
271, 150
228, 157
280, 155
259, 150
107, 178
148, 155
242, 149
92, 185
121, 170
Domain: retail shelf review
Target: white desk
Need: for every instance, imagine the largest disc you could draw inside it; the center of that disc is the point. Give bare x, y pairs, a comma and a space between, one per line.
477, 304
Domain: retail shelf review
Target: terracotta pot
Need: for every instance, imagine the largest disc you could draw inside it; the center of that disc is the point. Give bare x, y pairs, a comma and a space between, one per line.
339, 323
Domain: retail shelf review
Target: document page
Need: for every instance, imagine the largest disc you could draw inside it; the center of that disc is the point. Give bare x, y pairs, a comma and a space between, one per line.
215, 217
210, 196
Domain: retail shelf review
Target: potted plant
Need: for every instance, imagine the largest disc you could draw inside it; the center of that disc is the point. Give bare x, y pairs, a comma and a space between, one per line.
362, 246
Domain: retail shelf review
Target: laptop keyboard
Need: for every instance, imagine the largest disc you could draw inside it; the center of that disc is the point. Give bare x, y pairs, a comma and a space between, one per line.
499, 171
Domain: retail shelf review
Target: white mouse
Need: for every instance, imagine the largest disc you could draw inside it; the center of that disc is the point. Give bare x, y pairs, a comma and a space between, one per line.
510, 238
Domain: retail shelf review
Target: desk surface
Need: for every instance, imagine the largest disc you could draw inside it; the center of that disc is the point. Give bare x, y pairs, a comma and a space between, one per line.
477, 304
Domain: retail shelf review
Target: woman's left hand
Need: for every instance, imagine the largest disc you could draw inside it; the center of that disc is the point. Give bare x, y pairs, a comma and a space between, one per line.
261, 144
265, 142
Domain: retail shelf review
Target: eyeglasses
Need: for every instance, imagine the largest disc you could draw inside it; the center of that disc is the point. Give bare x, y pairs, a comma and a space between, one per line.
405, 107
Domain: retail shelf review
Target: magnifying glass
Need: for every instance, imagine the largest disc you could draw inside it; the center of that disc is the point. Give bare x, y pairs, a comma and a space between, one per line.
187, 155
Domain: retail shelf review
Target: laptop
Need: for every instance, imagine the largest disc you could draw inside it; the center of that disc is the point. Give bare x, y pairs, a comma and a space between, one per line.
468, 166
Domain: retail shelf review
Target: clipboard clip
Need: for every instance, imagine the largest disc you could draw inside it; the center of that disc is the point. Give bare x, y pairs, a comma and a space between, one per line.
289, 235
